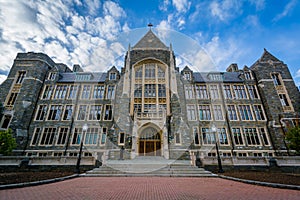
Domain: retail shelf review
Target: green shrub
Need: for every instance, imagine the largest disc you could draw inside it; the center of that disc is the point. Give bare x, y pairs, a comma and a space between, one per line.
7, 142
293, 138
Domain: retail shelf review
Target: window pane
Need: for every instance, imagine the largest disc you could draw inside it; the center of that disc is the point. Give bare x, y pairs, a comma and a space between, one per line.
191, 113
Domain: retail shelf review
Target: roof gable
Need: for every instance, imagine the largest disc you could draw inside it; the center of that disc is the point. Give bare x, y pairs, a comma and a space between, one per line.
267, 56
150, 41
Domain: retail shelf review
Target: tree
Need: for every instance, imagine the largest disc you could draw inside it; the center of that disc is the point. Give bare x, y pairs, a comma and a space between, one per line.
7, 142
293, 138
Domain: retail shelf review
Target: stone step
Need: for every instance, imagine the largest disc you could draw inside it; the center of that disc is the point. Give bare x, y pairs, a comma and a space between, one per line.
147, 171
189, 171
149, 175
149, 166
198, 170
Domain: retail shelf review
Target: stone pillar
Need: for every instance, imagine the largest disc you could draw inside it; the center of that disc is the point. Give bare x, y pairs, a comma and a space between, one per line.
165, 143
126, 83
193, 158
134, 148
173, 82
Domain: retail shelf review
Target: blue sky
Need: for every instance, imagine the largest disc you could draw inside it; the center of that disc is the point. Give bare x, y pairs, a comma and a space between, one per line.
94, 33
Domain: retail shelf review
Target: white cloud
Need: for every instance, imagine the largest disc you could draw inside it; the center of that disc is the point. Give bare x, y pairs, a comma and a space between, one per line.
259, 4
57, 51
253, 20
298, 74
176, 19
180, 23
181, 5
93, 6
113, 9
223, 52
226, 9
125, 27
164, 5
198, 60
57, 29
2, 78
216, 10
163, 28
78, 22
287, 9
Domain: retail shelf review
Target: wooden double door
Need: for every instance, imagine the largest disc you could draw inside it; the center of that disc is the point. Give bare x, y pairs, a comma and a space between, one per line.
150, 142
149, 148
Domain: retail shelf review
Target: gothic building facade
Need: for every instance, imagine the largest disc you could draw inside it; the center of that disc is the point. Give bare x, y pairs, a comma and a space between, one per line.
148, 108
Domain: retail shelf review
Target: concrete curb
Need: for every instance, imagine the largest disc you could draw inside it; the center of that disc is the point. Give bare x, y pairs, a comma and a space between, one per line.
27, 184
274, 185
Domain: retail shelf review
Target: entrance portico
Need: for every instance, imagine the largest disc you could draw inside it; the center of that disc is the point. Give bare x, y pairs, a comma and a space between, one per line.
150, 140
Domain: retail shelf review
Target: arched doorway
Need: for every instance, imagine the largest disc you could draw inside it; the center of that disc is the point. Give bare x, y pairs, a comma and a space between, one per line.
150, 142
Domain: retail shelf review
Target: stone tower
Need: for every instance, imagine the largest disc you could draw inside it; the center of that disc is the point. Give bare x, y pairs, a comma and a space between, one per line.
280, 97
20, 92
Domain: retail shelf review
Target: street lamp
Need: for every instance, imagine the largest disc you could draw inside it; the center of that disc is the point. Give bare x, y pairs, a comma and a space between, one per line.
84, 129
214, 130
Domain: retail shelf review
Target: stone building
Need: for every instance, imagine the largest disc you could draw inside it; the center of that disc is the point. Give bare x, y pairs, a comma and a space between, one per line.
149, 107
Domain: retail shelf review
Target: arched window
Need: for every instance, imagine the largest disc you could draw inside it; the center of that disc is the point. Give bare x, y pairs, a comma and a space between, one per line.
139, 73
161, 73
149, 88
150, 71
150, 133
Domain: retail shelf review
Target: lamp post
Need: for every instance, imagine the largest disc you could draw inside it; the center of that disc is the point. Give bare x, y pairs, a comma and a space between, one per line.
214, 130
84, 129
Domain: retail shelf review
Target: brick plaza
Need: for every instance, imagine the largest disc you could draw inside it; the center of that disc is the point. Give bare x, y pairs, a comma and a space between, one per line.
148, 188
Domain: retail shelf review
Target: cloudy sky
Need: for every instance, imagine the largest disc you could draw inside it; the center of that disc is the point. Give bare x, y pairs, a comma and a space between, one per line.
96, 33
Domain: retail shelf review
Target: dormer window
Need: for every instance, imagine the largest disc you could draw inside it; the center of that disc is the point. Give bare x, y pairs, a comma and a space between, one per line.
216, 77
83, 77
112, 76
187, 75
248, 75
52, 76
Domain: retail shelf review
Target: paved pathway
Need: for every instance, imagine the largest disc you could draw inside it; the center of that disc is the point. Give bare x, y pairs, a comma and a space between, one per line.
148, 188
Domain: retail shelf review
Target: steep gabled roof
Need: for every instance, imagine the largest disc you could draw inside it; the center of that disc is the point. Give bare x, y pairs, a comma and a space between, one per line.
186, 68
150, 41
268, 56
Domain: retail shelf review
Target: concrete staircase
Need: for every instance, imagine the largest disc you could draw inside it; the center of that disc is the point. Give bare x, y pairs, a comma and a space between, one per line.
149, 166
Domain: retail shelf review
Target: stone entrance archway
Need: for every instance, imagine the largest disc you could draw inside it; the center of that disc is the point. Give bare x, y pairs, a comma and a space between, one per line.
150, 142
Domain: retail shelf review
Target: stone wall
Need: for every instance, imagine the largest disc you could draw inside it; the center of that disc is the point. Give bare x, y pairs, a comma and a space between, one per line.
271, 101
36, 66
138, 55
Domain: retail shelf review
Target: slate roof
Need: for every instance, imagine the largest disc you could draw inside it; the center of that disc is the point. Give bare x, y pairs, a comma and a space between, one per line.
71, 77
150, 41
228, 77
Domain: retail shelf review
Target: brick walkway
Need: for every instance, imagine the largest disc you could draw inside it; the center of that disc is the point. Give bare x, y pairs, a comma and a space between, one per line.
148, 188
